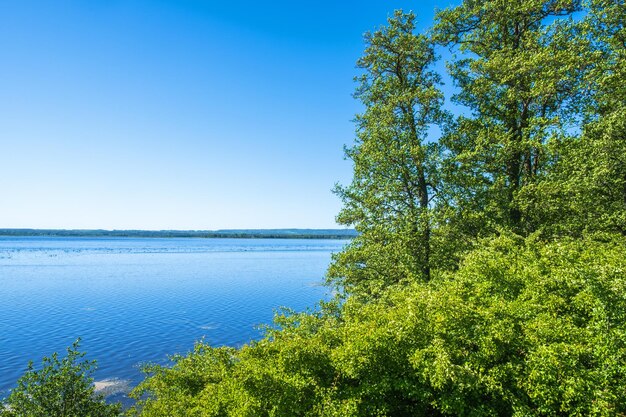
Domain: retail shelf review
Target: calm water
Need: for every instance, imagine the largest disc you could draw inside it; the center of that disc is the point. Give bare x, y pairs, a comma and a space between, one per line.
138, 300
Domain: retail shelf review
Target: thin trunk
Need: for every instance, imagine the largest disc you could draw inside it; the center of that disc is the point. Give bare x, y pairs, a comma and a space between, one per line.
518, 160
425, 220
422, 187
513, 171
422, 222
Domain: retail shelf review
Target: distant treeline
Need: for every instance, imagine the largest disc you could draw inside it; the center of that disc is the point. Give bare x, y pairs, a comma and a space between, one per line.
233, 233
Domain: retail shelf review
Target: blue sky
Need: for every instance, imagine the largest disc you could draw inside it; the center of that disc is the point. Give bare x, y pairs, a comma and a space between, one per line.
120, 114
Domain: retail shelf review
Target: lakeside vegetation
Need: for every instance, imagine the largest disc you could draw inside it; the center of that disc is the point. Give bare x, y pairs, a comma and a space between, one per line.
488, 277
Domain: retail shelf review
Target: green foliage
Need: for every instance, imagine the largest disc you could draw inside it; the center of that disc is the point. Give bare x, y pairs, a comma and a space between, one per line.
62, 388
585, 190
518, 75
606, 26
522, 328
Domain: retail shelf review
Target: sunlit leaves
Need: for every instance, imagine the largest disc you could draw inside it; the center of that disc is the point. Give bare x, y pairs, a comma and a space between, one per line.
522, 328
60, 388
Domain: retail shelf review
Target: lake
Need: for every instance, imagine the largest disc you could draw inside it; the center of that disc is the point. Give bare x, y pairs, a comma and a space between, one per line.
135, 301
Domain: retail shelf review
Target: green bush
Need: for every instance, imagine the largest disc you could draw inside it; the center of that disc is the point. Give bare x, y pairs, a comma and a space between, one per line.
523, 328
62, 388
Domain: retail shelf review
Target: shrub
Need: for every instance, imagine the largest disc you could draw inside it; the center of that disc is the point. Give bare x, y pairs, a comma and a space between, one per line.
62, 388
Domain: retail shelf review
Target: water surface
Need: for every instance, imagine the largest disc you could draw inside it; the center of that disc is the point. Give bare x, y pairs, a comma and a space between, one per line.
138, 300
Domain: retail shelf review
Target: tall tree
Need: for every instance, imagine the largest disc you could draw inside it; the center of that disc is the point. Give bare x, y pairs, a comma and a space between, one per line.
395, 179
516, 76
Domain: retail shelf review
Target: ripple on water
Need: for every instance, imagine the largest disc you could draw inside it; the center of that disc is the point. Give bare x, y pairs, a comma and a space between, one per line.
135, 301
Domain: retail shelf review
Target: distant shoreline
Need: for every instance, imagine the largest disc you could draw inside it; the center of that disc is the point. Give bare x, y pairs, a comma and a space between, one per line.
227, 233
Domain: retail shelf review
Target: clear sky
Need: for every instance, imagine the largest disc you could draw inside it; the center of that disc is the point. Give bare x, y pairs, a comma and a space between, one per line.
148, 114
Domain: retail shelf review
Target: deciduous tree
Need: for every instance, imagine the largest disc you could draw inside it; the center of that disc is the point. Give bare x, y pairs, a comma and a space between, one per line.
396, 179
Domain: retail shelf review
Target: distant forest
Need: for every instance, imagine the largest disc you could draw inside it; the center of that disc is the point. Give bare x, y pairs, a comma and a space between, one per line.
229, 233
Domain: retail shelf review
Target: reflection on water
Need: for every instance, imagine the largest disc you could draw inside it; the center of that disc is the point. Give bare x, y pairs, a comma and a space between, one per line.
111, 386
134, 301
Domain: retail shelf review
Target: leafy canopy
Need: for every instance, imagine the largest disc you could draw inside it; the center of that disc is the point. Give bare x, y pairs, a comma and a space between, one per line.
522, 328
